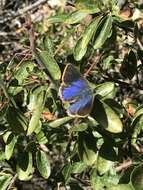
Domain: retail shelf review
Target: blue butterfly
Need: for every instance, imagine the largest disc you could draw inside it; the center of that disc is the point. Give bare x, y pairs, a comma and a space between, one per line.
75, 90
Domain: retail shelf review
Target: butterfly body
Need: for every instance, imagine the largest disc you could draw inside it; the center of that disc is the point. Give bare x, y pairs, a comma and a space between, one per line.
75, 90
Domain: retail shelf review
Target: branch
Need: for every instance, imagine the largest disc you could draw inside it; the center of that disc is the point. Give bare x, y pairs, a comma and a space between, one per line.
124, 165
23, 11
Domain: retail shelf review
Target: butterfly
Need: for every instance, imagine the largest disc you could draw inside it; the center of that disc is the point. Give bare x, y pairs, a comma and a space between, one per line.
75, 90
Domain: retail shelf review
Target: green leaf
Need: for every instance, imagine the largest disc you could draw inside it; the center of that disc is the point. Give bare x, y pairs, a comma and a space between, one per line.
87, 149
75, 17
107, 117
10, 144
37, 101
76, 167
137, 178
24, 167
16, 119
82, 43
14, 90
24, 71
67, 171
41, 138
59, 122
138, 112
56, 18
121, 187
106, 158
96, 181
89, 6
79, 127
48, 45
5, 180
104, 32
50, 64
43, 164
106, 89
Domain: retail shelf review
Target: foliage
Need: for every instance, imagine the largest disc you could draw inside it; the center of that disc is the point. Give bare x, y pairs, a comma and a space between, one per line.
37, 136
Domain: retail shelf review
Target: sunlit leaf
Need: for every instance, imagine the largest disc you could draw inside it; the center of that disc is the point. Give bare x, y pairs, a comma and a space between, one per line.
50, 64
106, 117
5, 180
82, 43
43, 164
10, 144
105, 28
24, 167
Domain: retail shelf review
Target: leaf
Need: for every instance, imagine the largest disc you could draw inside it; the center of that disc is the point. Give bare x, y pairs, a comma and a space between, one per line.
76, 167
10, 144
41, 138
87, 149
48, 45
50, 64
5, 180
67, 170
16, 119
24, 167
115, 106
56, 18
79, 127
24, 71
106, 89
105, 27
106, 117
75, 17
88, 6
106, 158
137, 126
82, 43
43, 164
37, 101
121, 187
137, 178
59, 122
96, 181
14, 90
129, 65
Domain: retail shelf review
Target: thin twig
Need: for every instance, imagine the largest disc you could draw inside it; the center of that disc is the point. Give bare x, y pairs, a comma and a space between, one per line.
12, 182
93, 65
24, 10
124, 165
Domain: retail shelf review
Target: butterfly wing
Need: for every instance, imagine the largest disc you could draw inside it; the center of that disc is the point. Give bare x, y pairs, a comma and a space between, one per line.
81, 107
75, 89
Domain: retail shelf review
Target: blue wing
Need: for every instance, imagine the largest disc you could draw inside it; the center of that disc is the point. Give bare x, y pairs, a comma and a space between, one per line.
81, 107
74, 90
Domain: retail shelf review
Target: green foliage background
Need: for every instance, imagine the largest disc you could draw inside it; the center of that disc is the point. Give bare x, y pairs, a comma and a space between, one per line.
38, 138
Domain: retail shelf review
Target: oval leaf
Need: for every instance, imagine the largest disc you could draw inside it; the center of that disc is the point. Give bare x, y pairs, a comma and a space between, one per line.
106, 117
24, 167
10, 144
50, 64
43, 164
105, 27
75, 17
5, 180
137, 178
82, 43
87, 148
